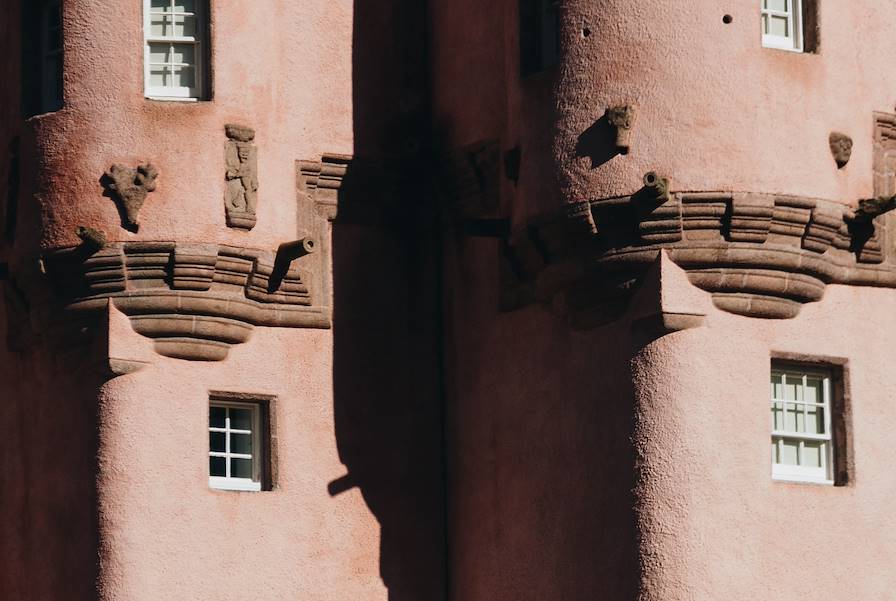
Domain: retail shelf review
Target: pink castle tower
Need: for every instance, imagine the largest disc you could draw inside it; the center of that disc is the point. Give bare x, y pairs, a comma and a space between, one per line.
447, 300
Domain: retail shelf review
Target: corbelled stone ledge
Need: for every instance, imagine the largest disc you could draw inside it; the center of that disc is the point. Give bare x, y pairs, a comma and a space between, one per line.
194, 301
759, 255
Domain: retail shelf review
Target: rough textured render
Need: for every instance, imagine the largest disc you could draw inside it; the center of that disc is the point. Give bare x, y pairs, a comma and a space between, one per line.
241, 158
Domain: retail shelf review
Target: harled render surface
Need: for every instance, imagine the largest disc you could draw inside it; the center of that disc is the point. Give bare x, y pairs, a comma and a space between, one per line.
171, 256
455, 300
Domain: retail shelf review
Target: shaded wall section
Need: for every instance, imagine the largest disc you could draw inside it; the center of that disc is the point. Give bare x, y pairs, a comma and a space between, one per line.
541, 464
386, 310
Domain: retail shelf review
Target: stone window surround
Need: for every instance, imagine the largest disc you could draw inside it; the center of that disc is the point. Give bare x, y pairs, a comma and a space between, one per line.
265, 444
843, 466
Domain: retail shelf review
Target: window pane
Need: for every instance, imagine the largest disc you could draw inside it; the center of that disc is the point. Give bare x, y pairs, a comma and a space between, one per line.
788, 453
240, 468
777, 5
160, 25
240, 419
160, 5
777, 416
184, 6
54, 39
217, 442
812, 393
793, 387
791, 414
777, 387
815, 420
216, 417
778, 26
241, 443
217, 466
159, 53
185, 26
183, 53
812, 453
184, 77
158, 77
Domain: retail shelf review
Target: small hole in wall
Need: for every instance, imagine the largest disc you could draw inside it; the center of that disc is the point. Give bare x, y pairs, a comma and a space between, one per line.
585, 32
727, 19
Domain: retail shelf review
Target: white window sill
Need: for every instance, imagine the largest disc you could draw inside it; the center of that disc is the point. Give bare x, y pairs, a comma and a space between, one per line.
776, 43
796, 476
235, 484
171, 99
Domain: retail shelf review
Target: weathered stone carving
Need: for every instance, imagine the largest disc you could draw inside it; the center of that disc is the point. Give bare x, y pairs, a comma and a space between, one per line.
841, 148
470, 179
621, 119
92, 239
241, 193
759, 255
656, 187
870, 208
129, 187
194, 301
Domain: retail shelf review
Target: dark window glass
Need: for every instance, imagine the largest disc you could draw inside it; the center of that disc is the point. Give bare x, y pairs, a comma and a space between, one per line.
539, 35
41, 57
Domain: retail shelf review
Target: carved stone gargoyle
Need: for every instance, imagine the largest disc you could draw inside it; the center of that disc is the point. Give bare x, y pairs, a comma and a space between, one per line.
870, 208
128, 187
241, 191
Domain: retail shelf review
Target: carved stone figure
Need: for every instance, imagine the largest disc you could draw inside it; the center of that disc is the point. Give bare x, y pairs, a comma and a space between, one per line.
129, 187
241, 193
841, 148
621, 119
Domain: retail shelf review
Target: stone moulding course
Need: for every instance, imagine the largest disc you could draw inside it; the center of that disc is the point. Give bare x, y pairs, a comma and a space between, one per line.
758, 255
194, 301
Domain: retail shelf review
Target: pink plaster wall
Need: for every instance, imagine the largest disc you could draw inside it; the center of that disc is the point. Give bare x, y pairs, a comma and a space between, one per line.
715, 110
552, 429
165, 533
125, 507
713, 521
292, 83
540, 419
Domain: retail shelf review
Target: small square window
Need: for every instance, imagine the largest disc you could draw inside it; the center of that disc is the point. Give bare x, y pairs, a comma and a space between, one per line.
802, 442
238, 445
782, 24
175, 51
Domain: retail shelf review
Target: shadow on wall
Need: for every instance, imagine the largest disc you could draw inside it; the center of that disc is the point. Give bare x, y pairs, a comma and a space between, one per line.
50, 525
386, 318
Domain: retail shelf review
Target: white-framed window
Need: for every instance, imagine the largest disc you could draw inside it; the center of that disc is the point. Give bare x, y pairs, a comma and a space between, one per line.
802, 444
236, 446
782, 24
174, 33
